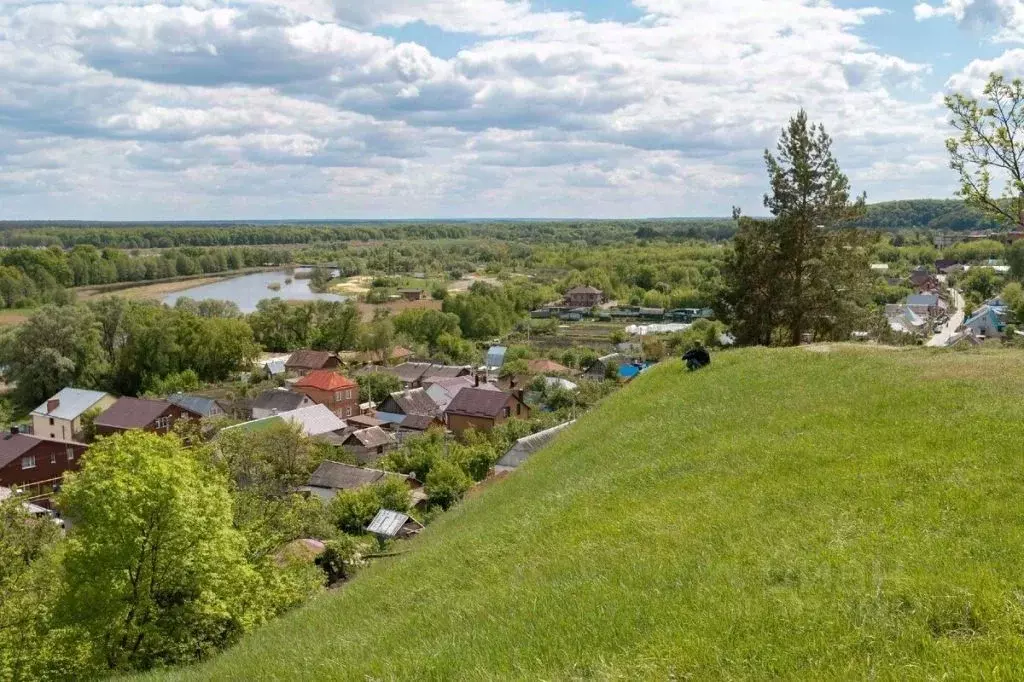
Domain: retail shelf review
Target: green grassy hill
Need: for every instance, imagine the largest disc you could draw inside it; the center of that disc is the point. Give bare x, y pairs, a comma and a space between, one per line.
783, 514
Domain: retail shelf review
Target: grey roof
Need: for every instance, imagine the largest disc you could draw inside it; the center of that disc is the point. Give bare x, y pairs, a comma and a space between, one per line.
315, 420
279, 399
363, 421
417, 422
923, 299
73, 403
387, 523
415, 401
478, 402
373, 437
33, 509
343, 476
195, 403
524, 447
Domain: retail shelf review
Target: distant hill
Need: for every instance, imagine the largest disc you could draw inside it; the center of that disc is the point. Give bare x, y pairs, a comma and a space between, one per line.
932, 214
782, 514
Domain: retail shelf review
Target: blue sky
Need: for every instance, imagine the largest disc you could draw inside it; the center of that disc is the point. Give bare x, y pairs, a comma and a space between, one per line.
217, 109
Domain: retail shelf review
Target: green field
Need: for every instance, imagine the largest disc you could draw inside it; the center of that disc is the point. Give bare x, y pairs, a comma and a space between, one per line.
851, 514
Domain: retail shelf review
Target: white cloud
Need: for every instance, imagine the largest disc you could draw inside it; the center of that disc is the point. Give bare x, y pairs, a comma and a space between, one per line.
1006, 16
206, 108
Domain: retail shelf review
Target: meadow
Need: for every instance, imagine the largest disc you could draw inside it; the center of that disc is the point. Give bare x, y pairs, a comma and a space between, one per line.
842, 514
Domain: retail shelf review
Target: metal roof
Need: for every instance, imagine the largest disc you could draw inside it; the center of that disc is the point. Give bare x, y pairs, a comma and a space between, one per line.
195, 403
524, 447
315, 420
479, 402
387, 523
280, 399
73, 402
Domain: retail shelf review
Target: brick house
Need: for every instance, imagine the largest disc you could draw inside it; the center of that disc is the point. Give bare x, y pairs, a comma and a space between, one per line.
483, 409
584, 297
37, 464
128, 414
305, 361
331, 389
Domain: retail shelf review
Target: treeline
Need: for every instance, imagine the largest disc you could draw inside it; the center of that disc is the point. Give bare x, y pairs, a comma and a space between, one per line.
30, 276
930, 214
125, 347
130, 236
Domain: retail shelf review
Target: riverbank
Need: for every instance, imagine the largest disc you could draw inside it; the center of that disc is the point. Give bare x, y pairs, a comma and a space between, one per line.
157, 289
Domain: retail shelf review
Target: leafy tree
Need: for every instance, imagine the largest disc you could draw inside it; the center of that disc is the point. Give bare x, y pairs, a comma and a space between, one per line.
338, 557
990, 141
155, 572
377, 386
271, 461
353, 510
446, 484
56, 347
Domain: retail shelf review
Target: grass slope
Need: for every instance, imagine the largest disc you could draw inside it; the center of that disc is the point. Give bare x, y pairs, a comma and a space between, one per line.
784, 514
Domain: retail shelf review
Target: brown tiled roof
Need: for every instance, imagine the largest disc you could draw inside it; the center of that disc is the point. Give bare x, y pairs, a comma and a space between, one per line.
478, 402
417, 422
363, 421
546, 367
309, 359
132, 413
13, 446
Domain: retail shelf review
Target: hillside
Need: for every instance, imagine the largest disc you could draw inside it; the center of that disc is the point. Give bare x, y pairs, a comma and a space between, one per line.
933, 214
783, 514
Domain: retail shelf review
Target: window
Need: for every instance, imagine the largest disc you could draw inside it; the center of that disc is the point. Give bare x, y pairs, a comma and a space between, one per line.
28, 462
70, 452
339, 396
348, 394
348, 411
163, 423
508, 412
53, 458
51, 421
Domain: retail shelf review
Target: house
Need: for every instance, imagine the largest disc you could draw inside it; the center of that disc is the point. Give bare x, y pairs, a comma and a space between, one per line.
60, 417
201, 405
986, 323
962, 339
605, 367
944, 266
412, 294
391, 524
369, 445
37, 464
275, 368
305, 361
524, 447
922, 280
443, 391
584, 297
325, 387
904, 320
926, 305
414, 401
362, 421
414, 374
313, 421
483, 409
129, 414
406, 426
330, 478
546, 367
278, 400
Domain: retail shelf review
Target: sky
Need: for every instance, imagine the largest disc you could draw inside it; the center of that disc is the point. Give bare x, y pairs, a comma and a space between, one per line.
358, 109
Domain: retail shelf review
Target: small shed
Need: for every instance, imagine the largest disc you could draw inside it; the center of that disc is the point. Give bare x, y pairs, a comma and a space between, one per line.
391, 524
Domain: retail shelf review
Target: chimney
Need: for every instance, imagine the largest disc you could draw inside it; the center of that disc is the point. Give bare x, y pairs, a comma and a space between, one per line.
476, 382
52, 405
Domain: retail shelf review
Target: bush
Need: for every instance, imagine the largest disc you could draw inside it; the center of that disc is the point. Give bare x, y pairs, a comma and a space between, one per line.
446, 484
